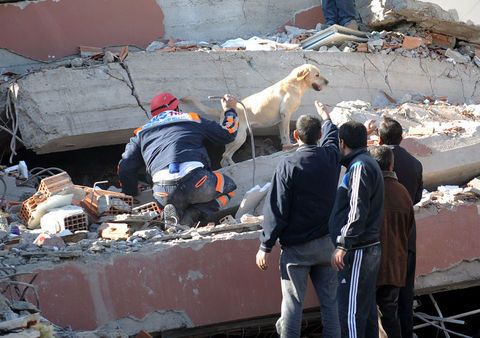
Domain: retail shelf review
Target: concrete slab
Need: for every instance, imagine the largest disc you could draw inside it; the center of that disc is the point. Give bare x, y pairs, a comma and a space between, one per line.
73, 108
188, 283
448, 254
426, 14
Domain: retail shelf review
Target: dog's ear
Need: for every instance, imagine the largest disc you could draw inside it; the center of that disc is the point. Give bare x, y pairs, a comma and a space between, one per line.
302, 74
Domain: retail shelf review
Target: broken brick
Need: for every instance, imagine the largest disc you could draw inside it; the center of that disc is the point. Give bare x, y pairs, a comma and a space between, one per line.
443, 41
47, 241
114, 231
362, 48
86, 51
412, 42
54, 184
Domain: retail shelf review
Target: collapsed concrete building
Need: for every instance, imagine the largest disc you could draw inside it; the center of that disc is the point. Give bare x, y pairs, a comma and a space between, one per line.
61, 101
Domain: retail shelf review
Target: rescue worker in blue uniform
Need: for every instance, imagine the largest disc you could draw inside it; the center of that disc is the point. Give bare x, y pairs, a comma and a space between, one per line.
171, 147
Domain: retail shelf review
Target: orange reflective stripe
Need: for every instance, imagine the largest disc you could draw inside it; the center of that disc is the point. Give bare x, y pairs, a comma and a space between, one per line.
233, 129
220, 182
222, 200
194, 116
201, 181
231, 194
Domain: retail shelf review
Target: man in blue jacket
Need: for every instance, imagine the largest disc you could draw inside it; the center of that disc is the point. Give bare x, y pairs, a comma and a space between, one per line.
171, 147
355, 225
296, 211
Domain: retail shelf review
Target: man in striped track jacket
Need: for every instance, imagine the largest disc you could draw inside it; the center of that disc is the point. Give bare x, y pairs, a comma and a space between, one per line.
355, 225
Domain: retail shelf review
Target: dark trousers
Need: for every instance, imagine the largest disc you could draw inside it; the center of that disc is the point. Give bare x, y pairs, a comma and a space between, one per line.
405, 298
196, 195
338, 11
357, 304
387, 301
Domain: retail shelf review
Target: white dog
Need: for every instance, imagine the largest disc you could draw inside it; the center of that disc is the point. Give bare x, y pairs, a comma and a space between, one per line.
273, 105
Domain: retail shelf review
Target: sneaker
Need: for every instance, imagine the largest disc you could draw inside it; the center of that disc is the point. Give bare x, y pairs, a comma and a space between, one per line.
352, 25
170, 216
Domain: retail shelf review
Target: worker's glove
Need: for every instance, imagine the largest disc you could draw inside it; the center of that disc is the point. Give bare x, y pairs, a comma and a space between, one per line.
230, 122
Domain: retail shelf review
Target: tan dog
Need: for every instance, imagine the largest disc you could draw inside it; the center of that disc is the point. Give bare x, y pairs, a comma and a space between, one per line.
273, 105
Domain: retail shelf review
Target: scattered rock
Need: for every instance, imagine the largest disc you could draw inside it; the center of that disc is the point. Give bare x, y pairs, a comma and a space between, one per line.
456, 56
114, 231
476, 59
146, 234
155, 45
77, 62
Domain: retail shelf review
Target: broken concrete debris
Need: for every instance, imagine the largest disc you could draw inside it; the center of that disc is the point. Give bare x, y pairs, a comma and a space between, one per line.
333, 35
53, 224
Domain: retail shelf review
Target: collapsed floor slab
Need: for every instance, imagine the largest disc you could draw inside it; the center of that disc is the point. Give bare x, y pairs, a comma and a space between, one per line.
210, 280
73, 108
426, 14
449, 154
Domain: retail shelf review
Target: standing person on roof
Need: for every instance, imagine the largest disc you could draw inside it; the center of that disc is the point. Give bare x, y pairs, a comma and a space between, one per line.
171, 147
409, 171
355, 225
341, 12
296, 211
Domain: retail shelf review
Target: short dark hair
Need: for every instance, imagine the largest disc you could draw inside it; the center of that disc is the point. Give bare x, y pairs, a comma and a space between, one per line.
383, 155
353, 134
309, 129
390, 131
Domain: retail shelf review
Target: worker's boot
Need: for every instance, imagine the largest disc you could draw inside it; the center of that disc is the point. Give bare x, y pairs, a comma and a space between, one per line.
170, 216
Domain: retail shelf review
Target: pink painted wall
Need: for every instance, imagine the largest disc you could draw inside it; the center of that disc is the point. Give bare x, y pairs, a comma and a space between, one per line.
447, 238
59, 28
216, 282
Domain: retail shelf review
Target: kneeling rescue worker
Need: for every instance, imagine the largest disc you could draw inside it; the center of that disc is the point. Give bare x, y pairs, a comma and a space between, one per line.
171, 147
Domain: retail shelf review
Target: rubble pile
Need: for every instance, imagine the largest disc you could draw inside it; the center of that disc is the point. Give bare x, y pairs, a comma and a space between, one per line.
18, 316
66, 221
451, 196
407, 41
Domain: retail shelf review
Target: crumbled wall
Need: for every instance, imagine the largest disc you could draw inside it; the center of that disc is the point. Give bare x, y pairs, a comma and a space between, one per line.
51, 29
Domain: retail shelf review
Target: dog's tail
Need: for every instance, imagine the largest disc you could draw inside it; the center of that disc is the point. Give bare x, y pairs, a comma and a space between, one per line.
199, 105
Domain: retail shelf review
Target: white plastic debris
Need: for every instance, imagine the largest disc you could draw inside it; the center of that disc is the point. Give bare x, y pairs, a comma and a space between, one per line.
252, 198
54, 221
258, 44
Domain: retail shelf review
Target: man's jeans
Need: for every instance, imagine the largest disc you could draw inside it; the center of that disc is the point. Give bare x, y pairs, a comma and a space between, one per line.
338, 11
201, 192
357, 305
297, 262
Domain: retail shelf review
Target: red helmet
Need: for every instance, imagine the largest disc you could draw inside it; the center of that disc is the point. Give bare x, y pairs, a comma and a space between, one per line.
163, 102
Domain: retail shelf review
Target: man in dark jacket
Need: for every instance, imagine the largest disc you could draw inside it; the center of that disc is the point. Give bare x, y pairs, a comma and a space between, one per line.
296, 211
171, 147
398, 221
355, 225
409, 171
